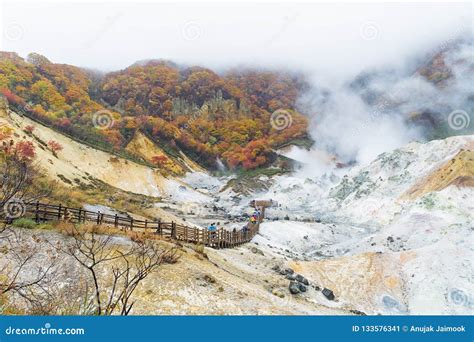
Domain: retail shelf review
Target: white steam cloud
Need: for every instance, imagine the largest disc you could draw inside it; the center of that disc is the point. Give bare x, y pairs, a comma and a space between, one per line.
331, 42
371, 114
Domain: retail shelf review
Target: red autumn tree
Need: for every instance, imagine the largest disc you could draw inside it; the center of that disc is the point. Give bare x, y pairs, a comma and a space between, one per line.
29, 129
25, 151
54, 146
159, 161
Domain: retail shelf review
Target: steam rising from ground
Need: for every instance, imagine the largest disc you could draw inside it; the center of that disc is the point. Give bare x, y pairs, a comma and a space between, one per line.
349, 128
363, 117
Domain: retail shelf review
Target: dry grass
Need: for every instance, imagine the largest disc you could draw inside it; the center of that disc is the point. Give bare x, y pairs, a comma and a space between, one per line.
147, 149
73, 229
172, 256
95, 193
141, 236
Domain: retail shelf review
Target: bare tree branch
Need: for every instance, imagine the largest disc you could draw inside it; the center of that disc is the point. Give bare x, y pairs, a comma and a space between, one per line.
128, 266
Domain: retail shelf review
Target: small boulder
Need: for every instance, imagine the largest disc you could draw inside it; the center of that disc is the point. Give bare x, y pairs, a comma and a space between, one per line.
302, 288
286, 271
255, 250
290, 277
210, 279
328, 294
276, 268
357, 312
294, 288
302, 279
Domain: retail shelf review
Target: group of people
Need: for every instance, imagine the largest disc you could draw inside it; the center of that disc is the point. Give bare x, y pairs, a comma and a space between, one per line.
254, 218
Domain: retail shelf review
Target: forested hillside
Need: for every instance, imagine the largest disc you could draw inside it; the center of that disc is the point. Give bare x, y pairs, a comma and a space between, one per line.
239, 116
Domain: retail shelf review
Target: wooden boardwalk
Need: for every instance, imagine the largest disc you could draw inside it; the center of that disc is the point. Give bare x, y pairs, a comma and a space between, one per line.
221, 238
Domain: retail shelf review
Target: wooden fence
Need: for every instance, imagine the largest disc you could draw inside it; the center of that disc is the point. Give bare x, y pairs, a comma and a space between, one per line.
221, 238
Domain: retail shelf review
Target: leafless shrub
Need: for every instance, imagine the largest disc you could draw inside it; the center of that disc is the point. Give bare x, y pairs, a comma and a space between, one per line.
115, 269
27, 272
18, 184
172, 257
76, 298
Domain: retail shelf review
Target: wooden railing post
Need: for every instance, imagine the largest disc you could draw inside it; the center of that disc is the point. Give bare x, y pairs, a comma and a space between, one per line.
173, 229
219, 238
37, 212
159, 230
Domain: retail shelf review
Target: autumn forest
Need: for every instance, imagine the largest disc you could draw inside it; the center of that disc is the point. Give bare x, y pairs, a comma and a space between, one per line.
205, 114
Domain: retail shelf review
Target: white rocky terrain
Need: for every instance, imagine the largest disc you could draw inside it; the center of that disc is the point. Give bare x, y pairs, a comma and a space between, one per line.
391, 237
395, 236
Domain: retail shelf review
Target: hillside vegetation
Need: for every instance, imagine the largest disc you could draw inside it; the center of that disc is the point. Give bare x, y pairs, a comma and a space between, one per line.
237, 116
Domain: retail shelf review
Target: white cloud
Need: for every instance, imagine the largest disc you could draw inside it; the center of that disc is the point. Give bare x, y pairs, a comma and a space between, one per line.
325, 38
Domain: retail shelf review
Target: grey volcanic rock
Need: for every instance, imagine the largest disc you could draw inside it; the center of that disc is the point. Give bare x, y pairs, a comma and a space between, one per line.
302, 288
302, 279
294, 288
328, 294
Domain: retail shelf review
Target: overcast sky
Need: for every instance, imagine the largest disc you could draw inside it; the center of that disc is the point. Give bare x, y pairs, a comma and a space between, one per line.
335, 40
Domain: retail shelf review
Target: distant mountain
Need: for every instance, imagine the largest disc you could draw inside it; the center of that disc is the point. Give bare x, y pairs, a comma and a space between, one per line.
237, 116
427, 91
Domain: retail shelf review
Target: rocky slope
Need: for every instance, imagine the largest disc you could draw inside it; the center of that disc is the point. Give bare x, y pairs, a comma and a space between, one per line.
395, 236
391, 237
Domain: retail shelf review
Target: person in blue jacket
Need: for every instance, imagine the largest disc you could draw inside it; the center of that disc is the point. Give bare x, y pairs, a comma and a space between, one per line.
212, 228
